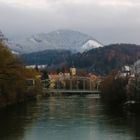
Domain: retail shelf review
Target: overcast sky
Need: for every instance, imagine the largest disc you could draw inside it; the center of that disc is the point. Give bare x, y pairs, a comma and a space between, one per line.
109, 21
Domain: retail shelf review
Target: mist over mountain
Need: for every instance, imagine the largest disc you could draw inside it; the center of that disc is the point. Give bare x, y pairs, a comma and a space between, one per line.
56, 40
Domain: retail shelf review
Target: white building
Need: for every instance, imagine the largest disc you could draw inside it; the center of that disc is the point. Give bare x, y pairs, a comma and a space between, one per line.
34, 66
125, 71
137, 67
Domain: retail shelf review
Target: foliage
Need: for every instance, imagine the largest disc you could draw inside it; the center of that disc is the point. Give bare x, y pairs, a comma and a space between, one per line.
114, 90
13, 75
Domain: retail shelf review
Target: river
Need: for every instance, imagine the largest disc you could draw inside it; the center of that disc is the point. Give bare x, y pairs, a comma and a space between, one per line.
67, 118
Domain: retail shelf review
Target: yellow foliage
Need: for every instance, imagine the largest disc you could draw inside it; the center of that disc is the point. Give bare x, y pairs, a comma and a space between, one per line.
31, 73
13, 77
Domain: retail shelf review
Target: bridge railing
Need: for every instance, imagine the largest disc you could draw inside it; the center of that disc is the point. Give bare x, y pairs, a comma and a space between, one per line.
77, 83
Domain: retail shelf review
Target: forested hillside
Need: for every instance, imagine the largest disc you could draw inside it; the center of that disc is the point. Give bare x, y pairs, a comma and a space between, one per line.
99, 60
103, 60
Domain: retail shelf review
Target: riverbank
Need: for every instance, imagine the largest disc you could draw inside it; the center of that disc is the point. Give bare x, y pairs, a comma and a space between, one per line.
30, 93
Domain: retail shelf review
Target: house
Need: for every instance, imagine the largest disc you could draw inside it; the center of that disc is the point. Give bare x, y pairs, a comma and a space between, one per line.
93, 76
53, 75
125, 71
137, 67
40, 67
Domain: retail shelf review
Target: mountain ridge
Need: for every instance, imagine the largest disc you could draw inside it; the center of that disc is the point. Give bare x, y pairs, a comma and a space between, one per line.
98, 60
59, 39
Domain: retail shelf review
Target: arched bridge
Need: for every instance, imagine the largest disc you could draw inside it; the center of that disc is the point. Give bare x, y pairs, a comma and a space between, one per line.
71, 85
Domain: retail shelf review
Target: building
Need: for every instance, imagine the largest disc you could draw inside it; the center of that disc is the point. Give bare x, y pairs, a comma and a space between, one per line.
137, 67
137, 73
125, 71
93, 76
40, 67
53, 75
133, 87
73, 71
67, 75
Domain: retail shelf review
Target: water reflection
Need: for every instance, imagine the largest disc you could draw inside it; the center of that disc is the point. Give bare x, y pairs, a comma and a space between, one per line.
67, 118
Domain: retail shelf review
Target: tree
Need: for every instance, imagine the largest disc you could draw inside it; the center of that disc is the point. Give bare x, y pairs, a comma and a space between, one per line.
114, 90
13, 76
12, 83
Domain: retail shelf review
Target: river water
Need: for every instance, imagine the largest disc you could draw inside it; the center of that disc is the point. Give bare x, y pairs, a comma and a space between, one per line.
67, 118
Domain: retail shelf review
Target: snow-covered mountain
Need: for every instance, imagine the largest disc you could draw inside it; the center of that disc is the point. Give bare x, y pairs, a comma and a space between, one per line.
60, 40
90, 44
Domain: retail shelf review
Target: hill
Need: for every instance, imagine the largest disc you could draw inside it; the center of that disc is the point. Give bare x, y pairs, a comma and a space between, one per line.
100, 60
57, 40
103, 60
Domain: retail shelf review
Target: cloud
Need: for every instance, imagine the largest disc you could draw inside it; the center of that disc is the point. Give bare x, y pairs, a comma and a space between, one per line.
116, 3
26, 3
108, 20
47, 3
